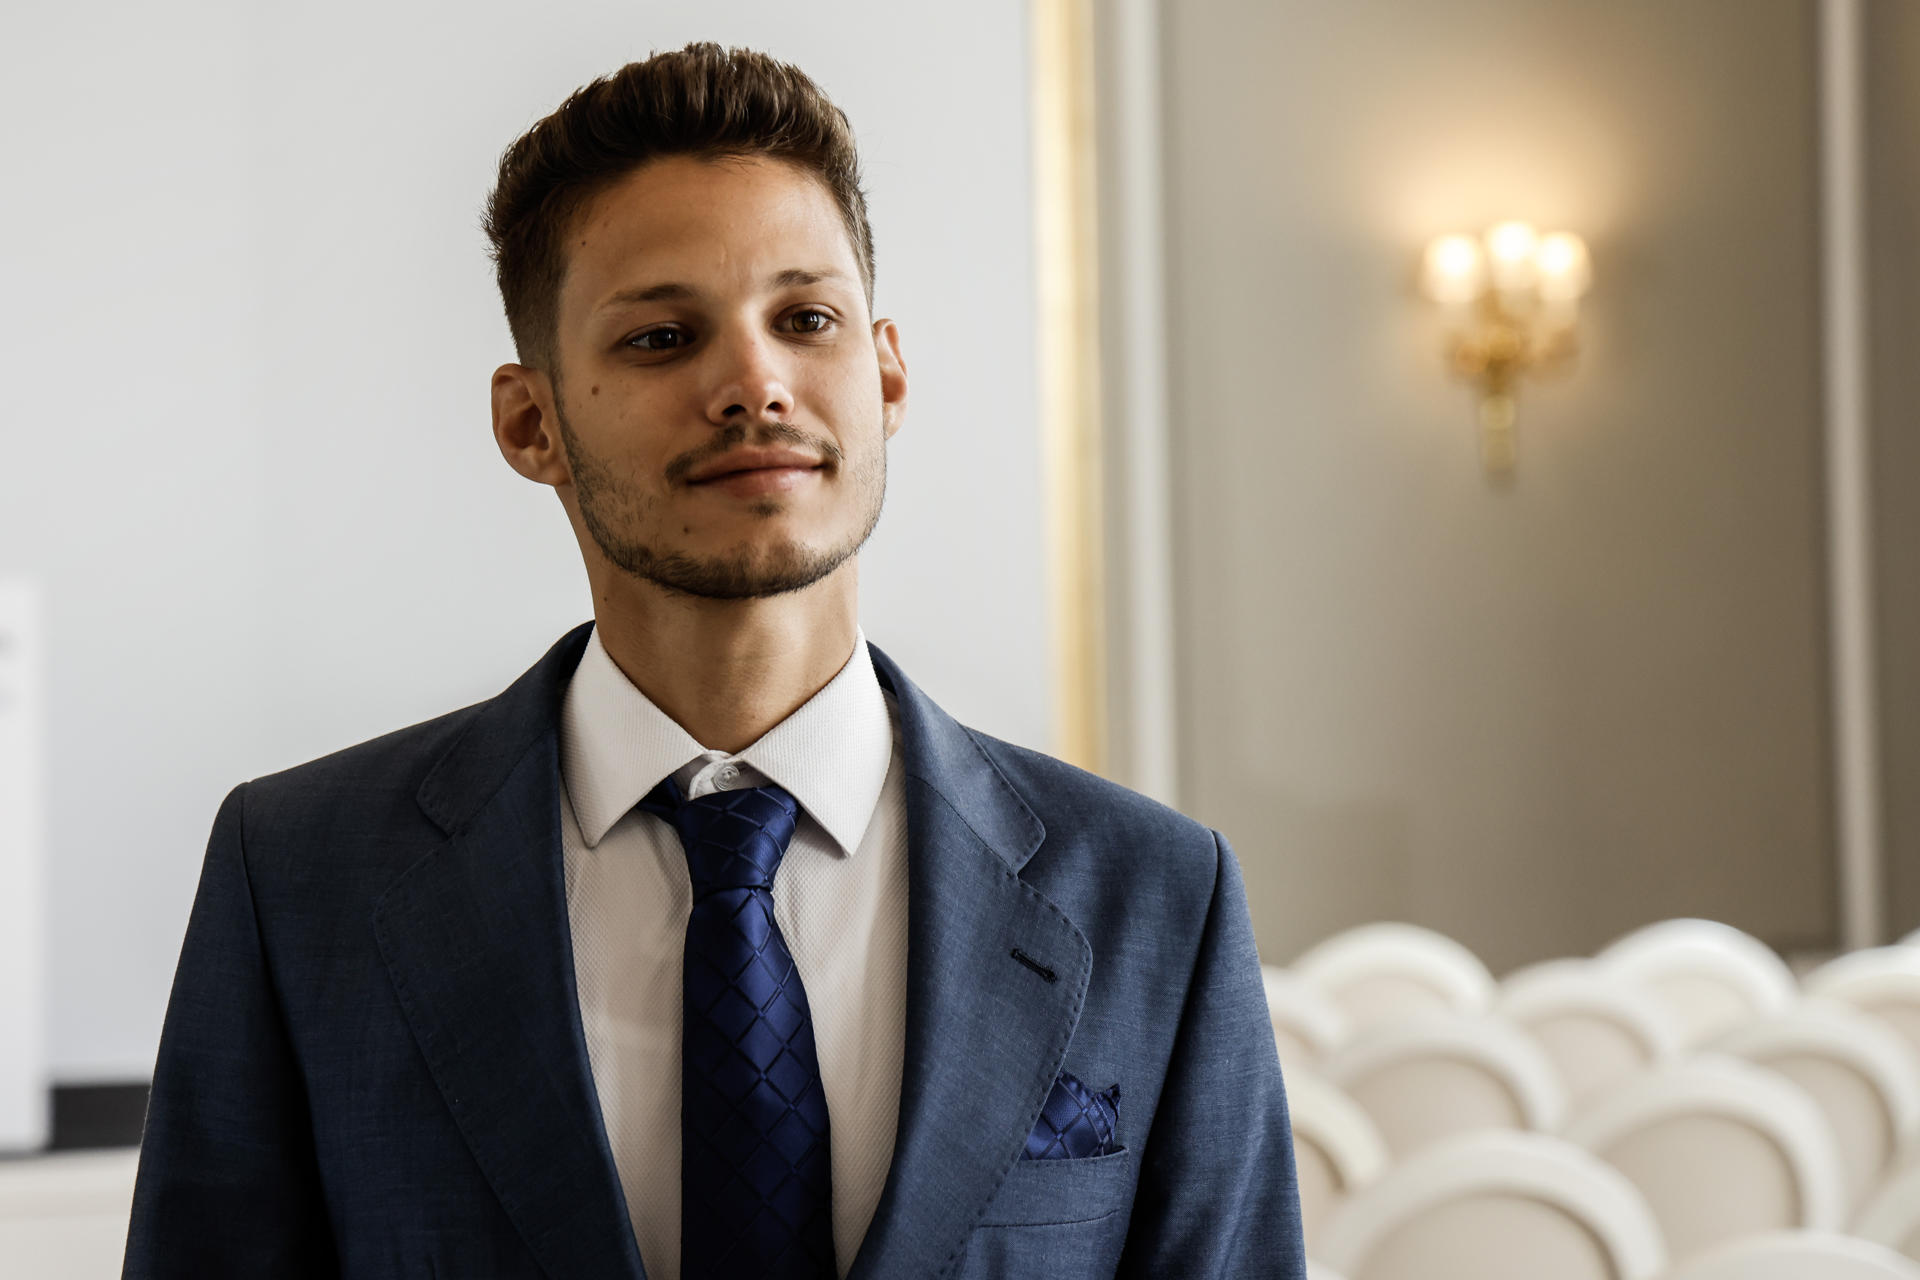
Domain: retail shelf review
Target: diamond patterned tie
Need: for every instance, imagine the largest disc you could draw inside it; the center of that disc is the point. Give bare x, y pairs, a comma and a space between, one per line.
756, 1185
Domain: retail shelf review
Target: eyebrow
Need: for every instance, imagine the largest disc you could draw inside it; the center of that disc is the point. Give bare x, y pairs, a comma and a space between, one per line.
792, 277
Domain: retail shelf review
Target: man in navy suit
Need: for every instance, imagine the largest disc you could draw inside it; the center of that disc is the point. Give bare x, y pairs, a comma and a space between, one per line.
476, 998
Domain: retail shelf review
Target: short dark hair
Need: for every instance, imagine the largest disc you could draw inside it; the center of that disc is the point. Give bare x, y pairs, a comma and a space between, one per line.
701, 101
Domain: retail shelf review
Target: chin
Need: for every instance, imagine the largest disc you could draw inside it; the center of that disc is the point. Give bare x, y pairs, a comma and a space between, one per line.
754, 569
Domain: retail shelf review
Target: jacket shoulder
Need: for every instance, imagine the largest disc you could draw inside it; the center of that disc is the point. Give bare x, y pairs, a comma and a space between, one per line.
416, 746
1068, 799
378, 777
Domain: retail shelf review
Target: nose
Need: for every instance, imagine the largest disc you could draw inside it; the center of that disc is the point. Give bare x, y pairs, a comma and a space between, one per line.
748, 378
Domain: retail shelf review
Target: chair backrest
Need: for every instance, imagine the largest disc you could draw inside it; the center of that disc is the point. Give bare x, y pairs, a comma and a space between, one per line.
1799, 1255
1382, 972
1497, 1206
1720, 1149
1337, 1151
1710, 976
1882, 981
1597, 1029
1441, 1074
1307, 1024
1860, 1072
1892, 1215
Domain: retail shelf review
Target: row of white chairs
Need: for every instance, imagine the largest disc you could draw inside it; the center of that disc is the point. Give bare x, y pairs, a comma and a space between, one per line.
1644, 1002
1513, 1069
1685, 1058
1570, 1030
1696, 979
1520, 1206
1719, 1147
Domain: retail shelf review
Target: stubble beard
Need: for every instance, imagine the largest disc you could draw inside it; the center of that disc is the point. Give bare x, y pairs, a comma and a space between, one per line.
611, 506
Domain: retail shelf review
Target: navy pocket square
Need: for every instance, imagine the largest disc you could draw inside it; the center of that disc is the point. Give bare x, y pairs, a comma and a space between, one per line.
1075, 1123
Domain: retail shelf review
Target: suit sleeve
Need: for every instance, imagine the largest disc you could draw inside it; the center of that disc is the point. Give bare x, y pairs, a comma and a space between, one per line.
1218, 1195
227, 1184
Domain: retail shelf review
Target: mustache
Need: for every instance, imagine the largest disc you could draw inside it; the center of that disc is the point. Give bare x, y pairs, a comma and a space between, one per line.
763, 434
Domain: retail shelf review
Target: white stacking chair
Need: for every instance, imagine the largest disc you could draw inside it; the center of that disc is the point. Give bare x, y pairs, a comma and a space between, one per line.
1882, 981
1710, 976
1598, 1030
1860, 1072
1337, 1151
1892, 1215
1441, 1074
1497, 1206
1799, 1255
1527, 972
1307, 1024
1911, 940
1720, 1148
1379, 973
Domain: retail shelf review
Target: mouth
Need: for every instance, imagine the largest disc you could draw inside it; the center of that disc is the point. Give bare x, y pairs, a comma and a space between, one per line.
746, 461
751, 472
755, 481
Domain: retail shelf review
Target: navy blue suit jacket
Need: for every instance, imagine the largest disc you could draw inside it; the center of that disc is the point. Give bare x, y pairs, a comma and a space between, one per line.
373, 1063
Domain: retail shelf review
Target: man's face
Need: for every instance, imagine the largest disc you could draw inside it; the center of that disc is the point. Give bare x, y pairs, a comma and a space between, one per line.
718, 380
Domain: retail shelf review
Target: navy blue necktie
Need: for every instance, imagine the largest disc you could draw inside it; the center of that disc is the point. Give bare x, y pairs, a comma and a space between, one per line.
755, 1183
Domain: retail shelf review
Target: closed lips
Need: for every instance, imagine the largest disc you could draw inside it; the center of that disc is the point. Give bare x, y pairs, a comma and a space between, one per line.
754, 460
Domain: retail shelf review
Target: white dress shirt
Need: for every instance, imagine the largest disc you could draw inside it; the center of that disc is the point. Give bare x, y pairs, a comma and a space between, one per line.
839, 898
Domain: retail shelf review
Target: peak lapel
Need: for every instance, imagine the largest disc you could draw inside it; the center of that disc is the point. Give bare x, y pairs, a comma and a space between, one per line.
985, 1033
477, 942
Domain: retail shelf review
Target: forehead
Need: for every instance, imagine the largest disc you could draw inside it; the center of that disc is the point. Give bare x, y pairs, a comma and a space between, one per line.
717, 225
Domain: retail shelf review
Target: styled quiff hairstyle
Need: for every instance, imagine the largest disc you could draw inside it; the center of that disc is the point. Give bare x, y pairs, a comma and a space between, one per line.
701, 101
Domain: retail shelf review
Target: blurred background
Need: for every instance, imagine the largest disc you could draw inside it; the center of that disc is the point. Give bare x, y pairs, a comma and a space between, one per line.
1528, 601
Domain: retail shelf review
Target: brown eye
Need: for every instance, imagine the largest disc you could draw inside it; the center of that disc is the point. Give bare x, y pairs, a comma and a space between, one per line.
657, 340
800, 319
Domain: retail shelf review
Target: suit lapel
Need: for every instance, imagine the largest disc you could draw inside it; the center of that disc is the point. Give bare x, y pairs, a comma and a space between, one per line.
477, 942
985, 1033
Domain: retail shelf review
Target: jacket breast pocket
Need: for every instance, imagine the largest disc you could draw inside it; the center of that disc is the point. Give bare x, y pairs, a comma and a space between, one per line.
1058, 1192
1053, 1220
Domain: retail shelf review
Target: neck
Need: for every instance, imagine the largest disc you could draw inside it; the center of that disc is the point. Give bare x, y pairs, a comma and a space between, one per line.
727, 671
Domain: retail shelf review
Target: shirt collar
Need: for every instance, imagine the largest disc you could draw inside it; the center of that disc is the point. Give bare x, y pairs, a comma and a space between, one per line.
832, 753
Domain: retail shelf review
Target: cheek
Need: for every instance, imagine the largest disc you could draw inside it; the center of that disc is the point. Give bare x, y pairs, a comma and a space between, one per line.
853, 384
617, 464
861, 418
629, 432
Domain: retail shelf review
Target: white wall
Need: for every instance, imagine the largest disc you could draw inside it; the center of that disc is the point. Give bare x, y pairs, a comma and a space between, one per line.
248, 328
25, 1107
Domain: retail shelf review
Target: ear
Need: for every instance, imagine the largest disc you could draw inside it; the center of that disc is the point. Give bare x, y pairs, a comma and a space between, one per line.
893, 375
526, 425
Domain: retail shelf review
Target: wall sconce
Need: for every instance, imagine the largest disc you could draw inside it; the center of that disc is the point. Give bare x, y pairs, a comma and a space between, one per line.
1510, 298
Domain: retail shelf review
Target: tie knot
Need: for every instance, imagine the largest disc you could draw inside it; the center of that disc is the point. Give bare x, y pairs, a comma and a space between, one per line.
733, 839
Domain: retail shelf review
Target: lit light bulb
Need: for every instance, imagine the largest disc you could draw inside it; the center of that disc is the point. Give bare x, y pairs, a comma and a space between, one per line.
1455, 271
1510, 250
1565, 271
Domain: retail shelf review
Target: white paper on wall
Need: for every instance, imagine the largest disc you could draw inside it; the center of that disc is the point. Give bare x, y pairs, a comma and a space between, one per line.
24, 1098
